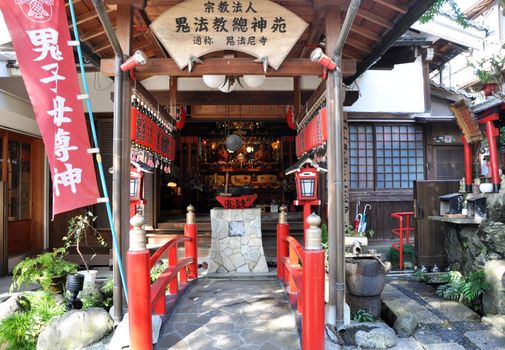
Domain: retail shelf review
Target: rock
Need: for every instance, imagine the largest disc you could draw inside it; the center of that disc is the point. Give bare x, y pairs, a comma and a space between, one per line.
75, 330
493, 299
497, 321
496, 206
377, 338
405, 325
9, 306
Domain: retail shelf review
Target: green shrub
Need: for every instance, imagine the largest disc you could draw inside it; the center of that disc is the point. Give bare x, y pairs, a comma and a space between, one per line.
42, 269
408, 255
158, 269
362, 316
21, 330
464, 289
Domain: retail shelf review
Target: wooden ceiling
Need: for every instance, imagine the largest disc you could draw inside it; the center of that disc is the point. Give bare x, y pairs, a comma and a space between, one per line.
378, 24
376, 21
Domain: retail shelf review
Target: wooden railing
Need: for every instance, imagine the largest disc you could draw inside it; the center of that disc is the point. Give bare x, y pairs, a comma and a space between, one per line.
146, 298
302, 270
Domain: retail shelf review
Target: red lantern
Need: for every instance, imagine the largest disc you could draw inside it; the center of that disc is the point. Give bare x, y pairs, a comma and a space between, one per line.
290, 118
306, 184
180, 117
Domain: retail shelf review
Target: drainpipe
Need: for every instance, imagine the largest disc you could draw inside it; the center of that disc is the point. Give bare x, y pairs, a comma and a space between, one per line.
117, 155
336, 179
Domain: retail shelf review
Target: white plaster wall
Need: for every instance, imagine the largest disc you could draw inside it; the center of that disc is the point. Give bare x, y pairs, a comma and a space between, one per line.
17, 114
100, 89
400, 90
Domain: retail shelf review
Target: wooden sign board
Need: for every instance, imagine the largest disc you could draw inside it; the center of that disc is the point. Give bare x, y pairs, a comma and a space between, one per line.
466, 121
260, 28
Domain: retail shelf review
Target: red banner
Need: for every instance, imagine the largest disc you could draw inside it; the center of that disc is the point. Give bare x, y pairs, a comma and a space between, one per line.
39, 31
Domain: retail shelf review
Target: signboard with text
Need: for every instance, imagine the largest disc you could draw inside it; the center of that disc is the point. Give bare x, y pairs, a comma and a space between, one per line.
260, 28
39, 31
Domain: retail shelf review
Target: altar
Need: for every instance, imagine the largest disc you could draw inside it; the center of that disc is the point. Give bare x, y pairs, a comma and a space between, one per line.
236, 243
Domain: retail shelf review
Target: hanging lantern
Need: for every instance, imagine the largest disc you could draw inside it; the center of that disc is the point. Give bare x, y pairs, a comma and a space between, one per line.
290, 118
180, 117
306, 184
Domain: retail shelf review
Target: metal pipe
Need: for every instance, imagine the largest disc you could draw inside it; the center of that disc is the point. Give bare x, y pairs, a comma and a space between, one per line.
116, 152
335, 156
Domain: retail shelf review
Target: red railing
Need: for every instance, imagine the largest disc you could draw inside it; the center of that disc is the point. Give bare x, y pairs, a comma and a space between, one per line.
146, 298
302, 269
403, 231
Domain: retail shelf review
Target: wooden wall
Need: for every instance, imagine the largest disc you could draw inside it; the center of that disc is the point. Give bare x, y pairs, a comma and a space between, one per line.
379, 217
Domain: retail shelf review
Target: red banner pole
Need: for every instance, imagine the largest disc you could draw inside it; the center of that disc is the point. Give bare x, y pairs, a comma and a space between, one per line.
491, 134
139, 286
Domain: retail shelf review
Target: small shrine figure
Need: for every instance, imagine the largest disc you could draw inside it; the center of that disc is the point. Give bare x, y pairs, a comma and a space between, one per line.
222, 154
262, 154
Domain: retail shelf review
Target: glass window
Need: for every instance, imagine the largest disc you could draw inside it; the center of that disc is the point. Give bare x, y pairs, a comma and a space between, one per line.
19, 164
394, 156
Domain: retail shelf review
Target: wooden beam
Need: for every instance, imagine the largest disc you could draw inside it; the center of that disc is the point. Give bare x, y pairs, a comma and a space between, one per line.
88, 16
358, 45
124, 24
372, 17
230, 66
297, 94
365, 33
173, 96
90, 35
393, 5
315, 33
138, 4
235, 97
147, 22
332, 28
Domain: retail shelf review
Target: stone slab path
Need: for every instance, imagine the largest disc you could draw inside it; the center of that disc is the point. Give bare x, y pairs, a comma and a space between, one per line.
238, 314
443, 324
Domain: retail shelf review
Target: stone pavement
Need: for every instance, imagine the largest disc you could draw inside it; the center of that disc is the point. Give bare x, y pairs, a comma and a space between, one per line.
240, 314
443, 324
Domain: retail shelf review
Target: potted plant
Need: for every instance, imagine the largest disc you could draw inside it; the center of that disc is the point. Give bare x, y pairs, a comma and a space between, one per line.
78, 229
489, 70
47, 270
352, 236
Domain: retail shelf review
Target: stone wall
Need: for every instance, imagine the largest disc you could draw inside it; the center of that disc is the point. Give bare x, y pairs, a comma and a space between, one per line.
469, 247
474, 247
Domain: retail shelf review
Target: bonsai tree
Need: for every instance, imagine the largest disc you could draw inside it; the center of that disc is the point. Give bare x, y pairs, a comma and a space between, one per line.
78, 228
45, 269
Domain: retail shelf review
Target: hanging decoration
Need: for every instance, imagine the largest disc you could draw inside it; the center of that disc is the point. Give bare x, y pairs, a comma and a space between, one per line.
150, 134
290, 118
180, 117
313, 135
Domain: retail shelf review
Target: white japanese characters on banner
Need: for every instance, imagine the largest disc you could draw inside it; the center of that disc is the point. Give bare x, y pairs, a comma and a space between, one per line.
39, 31
260, 28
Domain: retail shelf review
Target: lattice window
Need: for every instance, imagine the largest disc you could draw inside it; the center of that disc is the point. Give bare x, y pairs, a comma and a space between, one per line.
361, 151
399, 152
385, 156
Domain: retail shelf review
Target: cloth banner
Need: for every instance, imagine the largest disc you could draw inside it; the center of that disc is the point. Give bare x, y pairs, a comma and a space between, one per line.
40, 35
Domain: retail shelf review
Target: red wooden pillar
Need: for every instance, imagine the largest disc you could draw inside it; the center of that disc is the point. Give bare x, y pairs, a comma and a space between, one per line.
313, 288
468, 165
139, 287
491, 134
192, 245
282, 245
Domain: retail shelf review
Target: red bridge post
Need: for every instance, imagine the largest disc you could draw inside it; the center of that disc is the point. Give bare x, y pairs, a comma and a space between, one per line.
282, 245
313, 287
191, 246
139, 285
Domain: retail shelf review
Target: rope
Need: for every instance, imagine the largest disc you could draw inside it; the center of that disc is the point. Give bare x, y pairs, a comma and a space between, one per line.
98, 156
